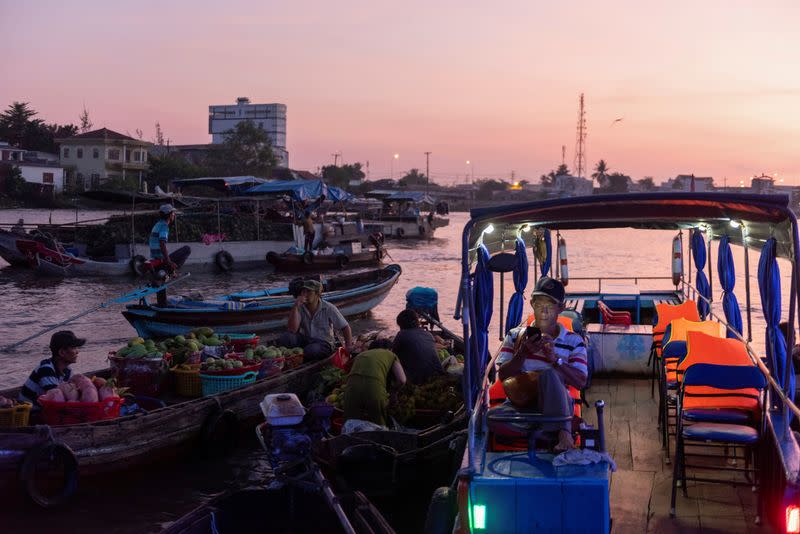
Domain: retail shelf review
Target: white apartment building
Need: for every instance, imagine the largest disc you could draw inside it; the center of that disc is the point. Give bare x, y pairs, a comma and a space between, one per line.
95, 157
270, 117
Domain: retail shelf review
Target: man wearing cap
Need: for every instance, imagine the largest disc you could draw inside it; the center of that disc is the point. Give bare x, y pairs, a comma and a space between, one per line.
312, 323
159, 236
558, 357
51, 372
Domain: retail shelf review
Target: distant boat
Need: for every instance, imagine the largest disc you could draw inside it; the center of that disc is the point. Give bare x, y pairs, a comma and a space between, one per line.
259, 311
292, 262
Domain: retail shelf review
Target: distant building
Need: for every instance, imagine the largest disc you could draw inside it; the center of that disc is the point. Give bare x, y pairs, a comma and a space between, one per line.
35, 167
683, 182
95, 157
566, 185
270, 117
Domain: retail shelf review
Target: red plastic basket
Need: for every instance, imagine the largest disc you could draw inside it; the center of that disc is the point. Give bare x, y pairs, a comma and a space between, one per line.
242, 344
73, 413
144, 376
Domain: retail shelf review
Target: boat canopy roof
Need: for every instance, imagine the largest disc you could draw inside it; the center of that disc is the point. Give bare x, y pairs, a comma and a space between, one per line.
762, 216
410, 196
301, 190
222, 183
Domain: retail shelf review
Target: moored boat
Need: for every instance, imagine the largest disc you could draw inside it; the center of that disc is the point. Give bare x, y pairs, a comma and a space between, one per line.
122, 443
293, 262
259, 311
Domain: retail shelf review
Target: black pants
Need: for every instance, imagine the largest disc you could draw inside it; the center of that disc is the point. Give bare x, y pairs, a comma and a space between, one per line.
313, 349
309, 242
178, 257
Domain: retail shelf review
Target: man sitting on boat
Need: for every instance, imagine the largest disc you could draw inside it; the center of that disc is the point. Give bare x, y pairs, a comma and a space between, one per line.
416, 349
51, 372
159, 236
312, 322
552, 360
366, 395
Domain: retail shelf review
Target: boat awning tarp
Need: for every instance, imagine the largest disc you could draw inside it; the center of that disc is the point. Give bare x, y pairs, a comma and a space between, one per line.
301, 190
410, 196
222, 183
703, 287
763, 215
727, 279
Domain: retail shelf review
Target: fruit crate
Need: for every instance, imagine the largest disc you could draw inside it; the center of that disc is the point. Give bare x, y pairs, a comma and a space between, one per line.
213, 384
15, 416
73, 413
144, 376
187, 381
241, 342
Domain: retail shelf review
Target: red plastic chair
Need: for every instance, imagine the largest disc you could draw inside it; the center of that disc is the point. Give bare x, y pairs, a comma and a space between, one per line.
613, 317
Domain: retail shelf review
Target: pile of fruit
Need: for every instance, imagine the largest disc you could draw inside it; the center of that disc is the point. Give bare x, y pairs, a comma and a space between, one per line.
444, 354
7, 403
329, 379
221, 364
440, 394
139, 348
180, 347
80, 388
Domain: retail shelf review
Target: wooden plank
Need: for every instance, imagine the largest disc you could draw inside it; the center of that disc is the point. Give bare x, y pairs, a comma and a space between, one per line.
646, 451
630, 495
688, 513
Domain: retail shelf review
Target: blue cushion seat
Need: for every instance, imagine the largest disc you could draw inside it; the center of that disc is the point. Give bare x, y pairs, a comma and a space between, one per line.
721, 432
712, 415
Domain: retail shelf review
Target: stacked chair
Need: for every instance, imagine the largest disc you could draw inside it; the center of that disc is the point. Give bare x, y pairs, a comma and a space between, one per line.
672, 351
665, 313
611, 317
720, 403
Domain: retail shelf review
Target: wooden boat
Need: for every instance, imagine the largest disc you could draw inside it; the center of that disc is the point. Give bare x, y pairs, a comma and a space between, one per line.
288, 262
122, 443
9, 250
284, 509
384, 462
50, 261
259, 311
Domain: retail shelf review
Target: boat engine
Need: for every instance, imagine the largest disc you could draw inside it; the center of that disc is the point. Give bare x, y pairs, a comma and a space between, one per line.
289, 430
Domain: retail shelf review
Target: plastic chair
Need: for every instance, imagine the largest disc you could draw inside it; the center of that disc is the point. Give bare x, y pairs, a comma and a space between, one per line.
665, 314
611, 317
724, 378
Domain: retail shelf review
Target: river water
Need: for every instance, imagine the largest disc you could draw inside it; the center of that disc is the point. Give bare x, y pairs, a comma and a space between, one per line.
29, 304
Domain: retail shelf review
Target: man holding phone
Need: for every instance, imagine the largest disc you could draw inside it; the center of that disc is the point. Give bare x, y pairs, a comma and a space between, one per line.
556, 356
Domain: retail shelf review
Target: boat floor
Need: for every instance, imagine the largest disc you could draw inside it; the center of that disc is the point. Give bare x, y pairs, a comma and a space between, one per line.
641, 486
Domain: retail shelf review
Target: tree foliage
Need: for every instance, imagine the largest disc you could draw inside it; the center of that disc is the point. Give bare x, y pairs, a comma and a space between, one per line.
601, 173
616, 183
486, 188
414, 178
246, 151
19, 127
168, 167
340, 176
85, 122
646, 183
14, 183
550, 178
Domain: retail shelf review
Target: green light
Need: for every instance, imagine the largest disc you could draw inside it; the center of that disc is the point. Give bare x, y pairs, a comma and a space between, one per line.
479, 516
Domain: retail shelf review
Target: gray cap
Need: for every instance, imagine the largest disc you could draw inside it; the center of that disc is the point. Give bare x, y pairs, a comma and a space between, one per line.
313, 285
166, 209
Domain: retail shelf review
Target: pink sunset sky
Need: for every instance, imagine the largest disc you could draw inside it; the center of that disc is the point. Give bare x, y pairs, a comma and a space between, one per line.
709, 88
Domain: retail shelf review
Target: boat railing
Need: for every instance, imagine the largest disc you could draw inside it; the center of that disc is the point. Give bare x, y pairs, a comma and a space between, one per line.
601, 279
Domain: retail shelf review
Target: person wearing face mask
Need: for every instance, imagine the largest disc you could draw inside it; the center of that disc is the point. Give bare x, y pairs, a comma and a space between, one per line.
556, 357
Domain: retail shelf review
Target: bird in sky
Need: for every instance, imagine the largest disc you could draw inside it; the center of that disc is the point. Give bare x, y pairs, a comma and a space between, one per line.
616, 121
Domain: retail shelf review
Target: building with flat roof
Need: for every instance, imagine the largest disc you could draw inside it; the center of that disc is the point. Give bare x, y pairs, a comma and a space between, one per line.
270, 117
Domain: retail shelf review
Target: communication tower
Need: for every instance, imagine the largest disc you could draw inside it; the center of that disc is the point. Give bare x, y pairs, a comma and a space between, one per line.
580, 141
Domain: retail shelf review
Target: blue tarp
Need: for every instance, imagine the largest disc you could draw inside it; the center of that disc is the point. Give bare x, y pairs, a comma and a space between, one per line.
703, 288
226, 183
517, 302
484, 303
769, 285
727, 279
301, 190
548, 260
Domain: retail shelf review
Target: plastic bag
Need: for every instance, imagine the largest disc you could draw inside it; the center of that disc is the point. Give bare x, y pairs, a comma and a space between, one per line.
342, 359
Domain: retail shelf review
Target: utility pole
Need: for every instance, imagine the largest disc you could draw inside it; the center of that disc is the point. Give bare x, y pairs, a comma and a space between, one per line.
563, 154
427, 172
336, 156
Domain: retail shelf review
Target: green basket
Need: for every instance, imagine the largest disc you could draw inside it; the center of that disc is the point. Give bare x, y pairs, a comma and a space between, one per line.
212, 385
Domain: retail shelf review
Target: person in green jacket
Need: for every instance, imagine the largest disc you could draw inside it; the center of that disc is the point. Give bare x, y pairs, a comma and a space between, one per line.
366, 395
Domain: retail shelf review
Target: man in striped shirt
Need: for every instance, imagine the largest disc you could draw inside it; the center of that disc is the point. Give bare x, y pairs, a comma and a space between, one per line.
559, 357
51, 372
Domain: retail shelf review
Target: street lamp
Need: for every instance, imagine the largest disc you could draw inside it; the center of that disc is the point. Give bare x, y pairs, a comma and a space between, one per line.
471, 176
396, 156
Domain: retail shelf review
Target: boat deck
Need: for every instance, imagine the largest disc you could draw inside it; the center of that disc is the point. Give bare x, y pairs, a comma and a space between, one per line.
641, 486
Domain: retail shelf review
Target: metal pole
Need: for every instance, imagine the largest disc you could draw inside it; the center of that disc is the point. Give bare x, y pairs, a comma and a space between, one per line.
747, 283
427, 172
690, 256
710, 270
502, 279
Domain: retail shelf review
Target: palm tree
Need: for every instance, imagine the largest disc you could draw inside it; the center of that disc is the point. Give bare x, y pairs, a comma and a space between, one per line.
601, 173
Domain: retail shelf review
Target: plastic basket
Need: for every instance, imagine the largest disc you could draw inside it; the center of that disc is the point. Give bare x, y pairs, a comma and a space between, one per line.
144, 376
16, 416
213, 384
254, 367
241, 342
187, 381
73, 413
